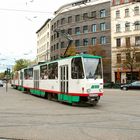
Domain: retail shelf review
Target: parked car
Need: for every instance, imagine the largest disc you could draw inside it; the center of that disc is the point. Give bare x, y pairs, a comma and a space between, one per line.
133, 85
1, 83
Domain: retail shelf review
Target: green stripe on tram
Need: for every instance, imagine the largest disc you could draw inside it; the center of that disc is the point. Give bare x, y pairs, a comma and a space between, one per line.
20, 88
68, 98
37, 92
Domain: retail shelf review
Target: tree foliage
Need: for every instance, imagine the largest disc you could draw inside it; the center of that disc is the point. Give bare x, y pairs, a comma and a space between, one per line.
71, 51
20, 64
2, 75
130, 62
96, 50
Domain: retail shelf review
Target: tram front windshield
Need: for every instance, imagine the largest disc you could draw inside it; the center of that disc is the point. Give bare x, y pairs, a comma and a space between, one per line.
93, 68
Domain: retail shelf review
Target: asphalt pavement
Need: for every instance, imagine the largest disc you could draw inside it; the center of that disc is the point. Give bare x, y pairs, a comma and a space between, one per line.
27, 117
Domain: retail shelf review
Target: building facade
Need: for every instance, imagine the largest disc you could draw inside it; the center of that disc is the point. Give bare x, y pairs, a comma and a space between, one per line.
43, 42
88, 23
125, 40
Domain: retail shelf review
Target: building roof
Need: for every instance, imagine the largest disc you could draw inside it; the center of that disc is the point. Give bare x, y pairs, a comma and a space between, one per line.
78, 3
43, 25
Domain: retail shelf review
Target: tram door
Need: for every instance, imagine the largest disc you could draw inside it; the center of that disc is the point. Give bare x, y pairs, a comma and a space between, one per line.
36, 78
64, 83
21, 78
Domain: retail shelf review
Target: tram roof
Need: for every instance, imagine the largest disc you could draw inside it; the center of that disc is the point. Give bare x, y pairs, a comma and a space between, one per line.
87, 56
75, 56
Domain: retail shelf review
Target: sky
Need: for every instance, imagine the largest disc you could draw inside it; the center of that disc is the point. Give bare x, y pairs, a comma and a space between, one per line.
20, 19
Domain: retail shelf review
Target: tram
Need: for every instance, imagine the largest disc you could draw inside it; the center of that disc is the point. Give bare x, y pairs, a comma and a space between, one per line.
74, 79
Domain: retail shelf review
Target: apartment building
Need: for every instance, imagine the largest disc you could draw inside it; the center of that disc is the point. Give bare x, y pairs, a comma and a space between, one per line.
43, 42
88, 23
125, 40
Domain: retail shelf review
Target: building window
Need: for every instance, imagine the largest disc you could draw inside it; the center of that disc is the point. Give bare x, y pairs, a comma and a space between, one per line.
118, 28
94, 28
85, 16
77, 43
93, 14
137, 40
127, 26
54, 47
102, 40
102, 13
58, 22
85, 29
102, 26
70, 31
57, 46
70, 19
136, 10
62, 21
137, 56
85, 41
51, 48
118, 42
128, 56
93, 41
77, 30
118, 58
118, 14
54, 25
52, 38
57, 34
62, 45
137, 25
126, 12
127, 41
77, 18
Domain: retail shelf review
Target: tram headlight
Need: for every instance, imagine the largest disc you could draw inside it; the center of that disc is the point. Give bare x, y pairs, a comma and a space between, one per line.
101, 89
88, 90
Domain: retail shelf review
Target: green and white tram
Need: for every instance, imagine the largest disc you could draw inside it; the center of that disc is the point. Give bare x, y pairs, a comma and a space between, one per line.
73, 79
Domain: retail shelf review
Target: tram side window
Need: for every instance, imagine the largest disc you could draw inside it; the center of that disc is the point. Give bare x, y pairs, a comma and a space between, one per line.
28, 73
44, 72
53, 70
77, 69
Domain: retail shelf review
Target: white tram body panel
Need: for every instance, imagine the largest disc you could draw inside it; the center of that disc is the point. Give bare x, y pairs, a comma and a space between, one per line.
15, 81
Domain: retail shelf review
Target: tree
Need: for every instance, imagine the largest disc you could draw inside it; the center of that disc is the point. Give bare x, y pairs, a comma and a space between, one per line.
71, 51
2, 75
132, 60
20, 64
96, 50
